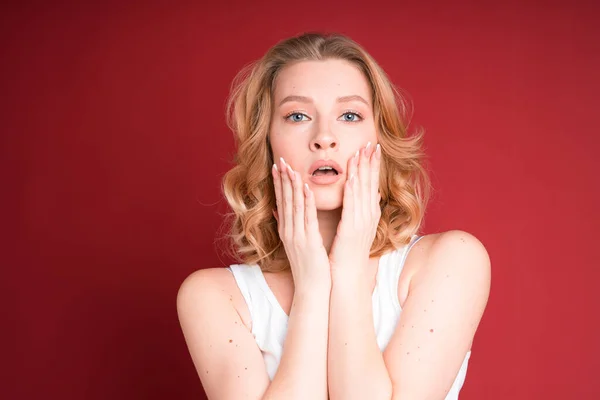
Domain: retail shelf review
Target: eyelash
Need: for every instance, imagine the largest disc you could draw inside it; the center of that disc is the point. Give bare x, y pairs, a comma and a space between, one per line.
359, 115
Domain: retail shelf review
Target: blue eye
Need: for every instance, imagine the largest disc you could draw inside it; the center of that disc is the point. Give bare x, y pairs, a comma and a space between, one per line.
295, 117
351, 116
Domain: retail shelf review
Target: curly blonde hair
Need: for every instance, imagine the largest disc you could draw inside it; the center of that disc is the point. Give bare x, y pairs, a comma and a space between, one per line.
248, 187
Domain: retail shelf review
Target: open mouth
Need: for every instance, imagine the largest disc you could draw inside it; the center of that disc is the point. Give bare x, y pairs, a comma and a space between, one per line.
325, 171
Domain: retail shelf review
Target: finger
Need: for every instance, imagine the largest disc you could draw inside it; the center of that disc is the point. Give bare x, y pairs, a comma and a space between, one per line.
278, 194
298, 204
363, 191
310, 212
351, 175
348, 206
352, 165
375, 172
286, 201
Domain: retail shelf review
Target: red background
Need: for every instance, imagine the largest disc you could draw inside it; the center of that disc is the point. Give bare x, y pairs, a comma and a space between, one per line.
114, 142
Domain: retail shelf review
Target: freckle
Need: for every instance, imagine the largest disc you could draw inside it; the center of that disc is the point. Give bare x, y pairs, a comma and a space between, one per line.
207, 371
412, 326
408, 352
447, 276
425, 310
345, 344
431, 330
238, 376
246, 368
230, 341
432, 301
418, 347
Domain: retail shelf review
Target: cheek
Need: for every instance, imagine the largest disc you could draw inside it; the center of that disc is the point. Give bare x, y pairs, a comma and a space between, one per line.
372, 134
284, 147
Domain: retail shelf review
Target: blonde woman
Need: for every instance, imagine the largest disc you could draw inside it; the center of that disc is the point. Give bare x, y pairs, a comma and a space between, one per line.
336, 294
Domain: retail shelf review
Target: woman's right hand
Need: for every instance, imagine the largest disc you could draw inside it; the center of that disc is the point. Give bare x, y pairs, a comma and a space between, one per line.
298, 228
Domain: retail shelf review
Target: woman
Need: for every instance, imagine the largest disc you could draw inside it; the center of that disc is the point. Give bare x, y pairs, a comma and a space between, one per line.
337, 295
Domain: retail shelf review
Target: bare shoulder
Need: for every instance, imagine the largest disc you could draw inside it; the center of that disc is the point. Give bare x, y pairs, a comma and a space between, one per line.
206, 278
212, 284
223, 350
208, 281
447, 296
452, 253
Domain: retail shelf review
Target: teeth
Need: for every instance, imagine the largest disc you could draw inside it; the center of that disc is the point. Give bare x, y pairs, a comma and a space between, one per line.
325, 168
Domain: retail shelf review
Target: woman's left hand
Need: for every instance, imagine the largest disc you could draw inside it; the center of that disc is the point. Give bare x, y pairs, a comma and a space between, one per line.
349, 255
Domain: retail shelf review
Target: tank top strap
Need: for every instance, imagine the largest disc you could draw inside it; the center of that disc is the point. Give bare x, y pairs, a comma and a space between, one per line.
269, 321
391, 269
246, 279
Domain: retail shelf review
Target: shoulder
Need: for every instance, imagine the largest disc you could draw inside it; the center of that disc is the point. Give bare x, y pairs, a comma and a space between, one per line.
201, 283
452, 254
219, 344
447, 297
199, 288
209, 288
453, 243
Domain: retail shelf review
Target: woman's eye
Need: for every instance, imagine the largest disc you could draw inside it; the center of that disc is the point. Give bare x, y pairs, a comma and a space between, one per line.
296, 117
351, 117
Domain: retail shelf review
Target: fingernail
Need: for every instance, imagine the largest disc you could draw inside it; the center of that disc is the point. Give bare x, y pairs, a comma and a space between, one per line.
275, 166
367, 146
356, 155
378, 151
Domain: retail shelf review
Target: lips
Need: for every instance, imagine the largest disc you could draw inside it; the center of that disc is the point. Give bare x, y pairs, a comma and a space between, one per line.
325, 163
325, 179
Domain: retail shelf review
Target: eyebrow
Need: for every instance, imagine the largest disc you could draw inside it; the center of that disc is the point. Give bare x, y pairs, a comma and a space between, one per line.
304, 99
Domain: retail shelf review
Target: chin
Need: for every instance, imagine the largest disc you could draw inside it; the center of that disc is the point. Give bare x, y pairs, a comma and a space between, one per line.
328, 200
328, 206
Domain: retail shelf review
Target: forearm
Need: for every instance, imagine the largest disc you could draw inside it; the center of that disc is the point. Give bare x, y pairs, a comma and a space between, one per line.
356, 369
302, 372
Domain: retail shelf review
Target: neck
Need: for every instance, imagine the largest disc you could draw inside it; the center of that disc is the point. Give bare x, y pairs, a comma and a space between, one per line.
328, 223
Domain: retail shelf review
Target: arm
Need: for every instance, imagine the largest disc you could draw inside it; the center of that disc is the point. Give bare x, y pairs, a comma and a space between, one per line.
447, 297
446, 301
226, 356
302, 372
355, 365
356, 368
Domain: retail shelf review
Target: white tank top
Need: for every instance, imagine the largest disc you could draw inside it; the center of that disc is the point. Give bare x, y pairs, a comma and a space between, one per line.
269, 321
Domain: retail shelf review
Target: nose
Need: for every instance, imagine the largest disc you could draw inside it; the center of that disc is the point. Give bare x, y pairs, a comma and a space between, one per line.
324, 141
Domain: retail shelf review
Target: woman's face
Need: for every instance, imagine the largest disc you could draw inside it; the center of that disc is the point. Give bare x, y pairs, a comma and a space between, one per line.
322, 110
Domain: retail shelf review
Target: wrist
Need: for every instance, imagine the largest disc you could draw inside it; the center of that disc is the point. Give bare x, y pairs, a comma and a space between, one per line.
352, 282
314, 286
350, 274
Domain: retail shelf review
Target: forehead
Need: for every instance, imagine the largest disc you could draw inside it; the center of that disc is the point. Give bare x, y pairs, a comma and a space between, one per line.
321, 80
